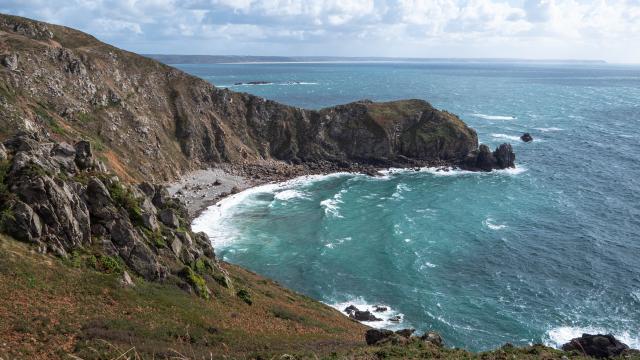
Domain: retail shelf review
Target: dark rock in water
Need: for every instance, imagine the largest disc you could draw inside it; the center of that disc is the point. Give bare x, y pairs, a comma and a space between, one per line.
379, 308
374, 336
364, 316
526, 137
485, 160
601, 346
433, 338
406, 332
504, 156
351, 309
396, 318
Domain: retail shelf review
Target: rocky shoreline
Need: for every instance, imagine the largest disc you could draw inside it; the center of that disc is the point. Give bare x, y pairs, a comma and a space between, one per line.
203, 188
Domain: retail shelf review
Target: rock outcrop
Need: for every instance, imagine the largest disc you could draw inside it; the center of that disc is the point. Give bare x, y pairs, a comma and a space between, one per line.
59, 197
149, 121
600, 346
526, 137
485, 160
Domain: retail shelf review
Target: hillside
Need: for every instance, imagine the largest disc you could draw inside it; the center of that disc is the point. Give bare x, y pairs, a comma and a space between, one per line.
148, 120
99, 262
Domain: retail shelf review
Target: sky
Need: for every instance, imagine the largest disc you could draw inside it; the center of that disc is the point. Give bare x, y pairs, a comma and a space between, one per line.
533, 29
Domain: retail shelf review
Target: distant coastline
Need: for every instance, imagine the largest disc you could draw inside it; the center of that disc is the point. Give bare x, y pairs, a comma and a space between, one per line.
240, 59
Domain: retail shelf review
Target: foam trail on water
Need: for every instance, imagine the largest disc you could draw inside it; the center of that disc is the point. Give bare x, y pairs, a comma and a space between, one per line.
488, 222
548, 129
506, 137
558, 336
494, 117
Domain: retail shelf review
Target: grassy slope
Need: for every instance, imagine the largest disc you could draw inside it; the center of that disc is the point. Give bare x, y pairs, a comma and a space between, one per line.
53, 308
50, 308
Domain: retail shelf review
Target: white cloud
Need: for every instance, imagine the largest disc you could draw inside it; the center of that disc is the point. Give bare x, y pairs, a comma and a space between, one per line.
516, 28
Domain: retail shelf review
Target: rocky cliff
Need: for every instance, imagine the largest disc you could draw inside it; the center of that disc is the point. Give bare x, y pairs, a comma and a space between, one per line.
63, 200
148, 120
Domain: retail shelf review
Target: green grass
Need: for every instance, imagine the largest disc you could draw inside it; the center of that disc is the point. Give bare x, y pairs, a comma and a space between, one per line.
125, 198
198, 283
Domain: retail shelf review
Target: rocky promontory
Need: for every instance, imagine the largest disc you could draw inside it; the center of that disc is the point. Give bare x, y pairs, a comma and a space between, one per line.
149, 121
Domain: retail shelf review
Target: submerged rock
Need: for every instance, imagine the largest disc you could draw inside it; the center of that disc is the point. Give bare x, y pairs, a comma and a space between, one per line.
601, 346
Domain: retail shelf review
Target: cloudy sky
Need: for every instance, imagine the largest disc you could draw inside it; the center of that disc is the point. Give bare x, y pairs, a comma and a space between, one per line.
535, 29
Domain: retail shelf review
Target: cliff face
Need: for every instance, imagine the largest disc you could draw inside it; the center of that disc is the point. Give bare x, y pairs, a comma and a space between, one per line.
148, 120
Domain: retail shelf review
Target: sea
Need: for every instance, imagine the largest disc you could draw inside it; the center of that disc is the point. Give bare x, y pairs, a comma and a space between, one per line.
537, 254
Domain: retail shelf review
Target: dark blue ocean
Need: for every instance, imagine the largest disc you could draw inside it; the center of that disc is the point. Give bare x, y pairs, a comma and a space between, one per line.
541, 253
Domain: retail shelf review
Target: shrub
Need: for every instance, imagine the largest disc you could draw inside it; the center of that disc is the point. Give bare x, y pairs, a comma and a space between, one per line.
244, 296
109, 264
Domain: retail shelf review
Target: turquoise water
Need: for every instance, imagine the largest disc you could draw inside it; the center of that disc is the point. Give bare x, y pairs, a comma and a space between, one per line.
536, 254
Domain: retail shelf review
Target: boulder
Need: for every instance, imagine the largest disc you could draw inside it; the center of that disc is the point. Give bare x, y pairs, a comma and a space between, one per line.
432, 337
10, 61
63, 149
600, 346
364, 316
526, 137
374, 336
84, 156
24, 224
406, 332
169, 218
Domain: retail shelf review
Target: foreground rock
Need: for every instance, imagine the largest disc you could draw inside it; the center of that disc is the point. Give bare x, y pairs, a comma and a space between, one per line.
601, 346
59, 198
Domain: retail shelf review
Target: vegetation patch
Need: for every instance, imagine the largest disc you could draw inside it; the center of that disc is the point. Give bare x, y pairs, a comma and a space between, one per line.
244, 296
155, 237
195, 280
109, 264
125, 198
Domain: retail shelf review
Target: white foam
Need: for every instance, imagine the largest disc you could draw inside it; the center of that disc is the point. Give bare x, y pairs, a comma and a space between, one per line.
506, 137
558, 336
332, 206
332, 245
494, 117
363, 305
289, 194
488, 222
212, 221
451, 171
548, 129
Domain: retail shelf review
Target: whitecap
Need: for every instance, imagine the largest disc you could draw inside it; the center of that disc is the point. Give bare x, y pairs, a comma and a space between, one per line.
331, 206
488, 222
506, 137
548, 129
558, 336
288, 195
363, 305
332, 245
494, 117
